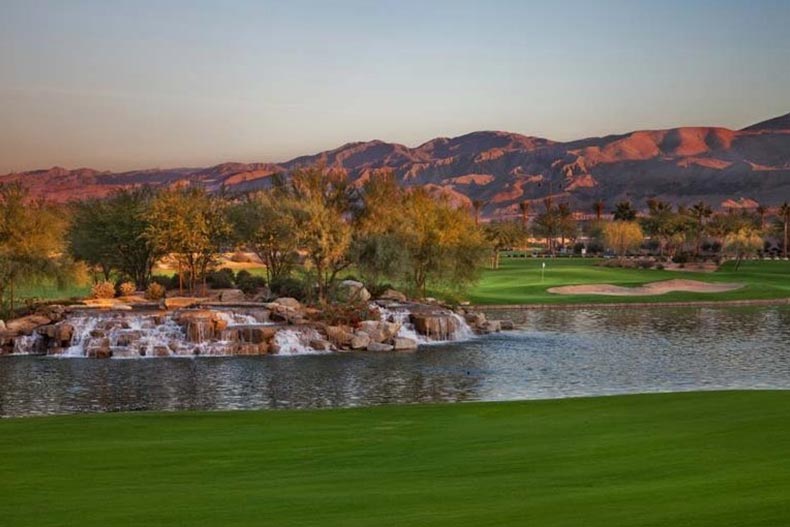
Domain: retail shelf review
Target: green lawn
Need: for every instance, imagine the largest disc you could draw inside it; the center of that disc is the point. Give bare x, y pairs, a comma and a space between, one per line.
518, 281
691, 459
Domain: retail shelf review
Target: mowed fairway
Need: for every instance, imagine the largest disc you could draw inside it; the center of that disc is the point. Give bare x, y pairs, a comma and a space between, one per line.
518, 281
691, 459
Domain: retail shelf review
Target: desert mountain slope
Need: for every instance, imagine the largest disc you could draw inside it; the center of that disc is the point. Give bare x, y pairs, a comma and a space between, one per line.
681, 165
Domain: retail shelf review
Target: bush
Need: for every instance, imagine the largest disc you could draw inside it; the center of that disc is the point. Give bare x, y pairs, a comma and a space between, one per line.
155, 291
250, 284
103, 290
645, 264
681, 258
127, 288
222, 279
345, 314
164, 281
376, 290
290, 286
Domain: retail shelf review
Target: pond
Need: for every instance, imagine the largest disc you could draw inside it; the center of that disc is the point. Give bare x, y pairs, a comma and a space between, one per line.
557, 353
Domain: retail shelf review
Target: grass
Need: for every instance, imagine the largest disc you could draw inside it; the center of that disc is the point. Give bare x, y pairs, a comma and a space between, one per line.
691, 459
518, 281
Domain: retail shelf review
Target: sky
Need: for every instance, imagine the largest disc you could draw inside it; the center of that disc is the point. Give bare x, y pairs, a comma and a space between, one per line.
118, 85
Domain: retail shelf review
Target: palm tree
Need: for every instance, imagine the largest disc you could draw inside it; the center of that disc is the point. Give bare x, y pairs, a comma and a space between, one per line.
624, 211
477, 206
523, 207
598, 206
700, 211
784, 215
761, 210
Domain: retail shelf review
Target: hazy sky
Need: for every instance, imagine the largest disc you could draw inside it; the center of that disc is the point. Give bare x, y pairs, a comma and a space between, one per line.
138, 84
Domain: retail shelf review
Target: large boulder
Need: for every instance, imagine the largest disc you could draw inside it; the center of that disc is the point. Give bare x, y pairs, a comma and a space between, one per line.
59, 335
27, 325
360, 341
231, 295
404, 344
339, 335
436, 326
353, 291
378, 346
320, 345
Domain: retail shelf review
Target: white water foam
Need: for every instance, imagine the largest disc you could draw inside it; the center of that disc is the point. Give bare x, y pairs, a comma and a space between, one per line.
296, 342
402, 316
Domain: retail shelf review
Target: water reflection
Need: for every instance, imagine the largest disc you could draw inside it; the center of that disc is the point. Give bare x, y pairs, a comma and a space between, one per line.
560, 353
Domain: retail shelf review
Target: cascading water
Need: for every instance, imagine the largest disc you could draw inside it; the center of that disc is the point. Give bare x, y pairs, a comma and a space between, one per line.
296, 342
457, 330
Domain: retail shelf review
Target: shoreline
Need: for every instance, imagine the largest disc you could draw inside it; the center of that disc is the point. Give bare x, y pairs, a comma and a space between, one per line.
596, 305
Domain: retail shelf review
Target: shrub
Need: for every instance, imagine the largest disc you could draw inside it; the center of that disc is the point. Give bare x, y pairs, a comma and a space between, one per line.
164, 281
155, 291
681, 258
290, 286
345, 314
250, 284
103, 290
222, 279
127, 288
645, 264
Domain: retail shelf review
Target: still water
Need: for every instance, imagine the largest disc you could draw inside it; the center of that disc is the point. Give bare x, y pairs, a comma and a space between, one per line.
559, 353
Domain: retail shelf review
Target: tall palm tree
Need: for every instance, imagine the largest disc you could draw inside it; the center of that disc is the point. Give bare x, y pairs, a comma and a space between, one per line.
784, 215
523, 207
700, 211
598, 206
624, 211
761, 210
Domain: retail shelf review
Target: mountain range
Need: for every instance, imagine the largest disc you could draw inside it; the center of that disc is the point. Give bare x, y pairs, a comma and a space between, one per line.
726, 168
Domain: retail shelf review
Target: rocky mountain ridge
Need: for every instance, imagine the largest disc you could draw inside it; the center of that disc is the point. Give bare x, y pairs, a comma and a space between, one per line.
502, 169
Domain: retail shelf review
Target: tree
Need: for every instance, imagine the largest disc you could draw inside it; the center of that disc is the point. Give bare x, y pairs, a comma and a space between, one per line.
699, 212
31, 236
598, 206
661, 223
502, 235
743, 242
523, 207
111, 234
477, 206
191, 225
320, 204
761, 211
784, 217
442, 243
624, 211
263, 224
623, 236
377, 241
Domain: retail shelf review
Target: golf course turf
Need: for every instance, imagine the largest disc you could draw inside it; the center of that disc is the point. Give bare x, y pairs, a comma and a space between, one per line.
518, 281
691, 459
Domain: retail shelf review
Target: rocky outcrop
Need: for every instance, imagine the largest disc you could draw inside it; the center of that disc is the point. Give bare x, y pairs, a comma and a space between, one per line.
353, 292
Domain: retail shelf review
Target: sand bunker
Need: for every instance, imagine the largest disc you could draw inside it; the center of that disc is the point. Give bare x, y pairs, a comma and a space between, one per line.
653, 288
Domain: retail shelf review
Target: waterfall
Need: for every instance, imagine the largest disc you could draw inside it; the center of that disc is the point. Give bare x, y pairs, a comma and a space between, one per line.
296, 341
459, 331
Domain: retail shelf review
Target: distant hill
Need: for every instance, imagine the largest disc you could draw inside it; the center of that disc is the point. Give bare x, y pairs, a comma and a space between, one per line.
682, 165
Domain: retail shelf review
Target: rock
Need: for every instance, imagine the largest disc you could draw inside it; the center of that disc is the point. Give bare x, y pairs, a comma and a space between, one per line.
250, 334
232, 295
288, 302
99, 348
339, 335
181, 302
360, 341
507, 325
491, 326
128, 338
353, 291
436, 326
393, 295
27, 325
404, 344
63, 334
320, 345
250, 349
161, 351
54, 312
377, 346
475, 319
2, 325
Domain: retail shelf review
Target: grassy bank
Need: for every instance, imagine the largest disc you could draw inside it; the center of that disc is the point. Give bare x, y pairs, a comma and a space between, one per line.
692, 459
518, 281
